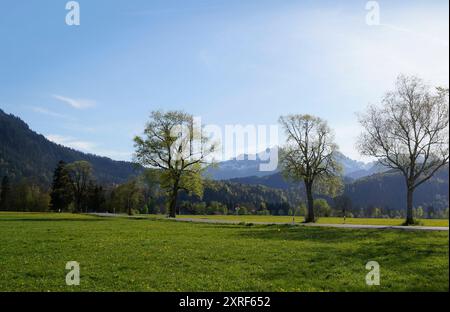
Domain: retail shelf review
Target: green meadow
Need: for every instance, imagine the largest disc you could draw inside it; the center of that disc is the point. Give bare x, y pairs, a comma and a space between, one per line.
153, 254
323, 220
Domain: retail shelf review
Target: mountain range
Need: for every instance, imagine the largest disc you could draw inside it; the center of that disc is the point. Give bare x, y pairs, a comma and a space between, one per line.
248, 166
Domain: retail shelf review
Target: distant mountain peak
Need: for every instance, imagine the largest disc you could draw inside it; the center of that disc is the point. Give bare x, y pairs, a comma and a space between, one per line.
247, 165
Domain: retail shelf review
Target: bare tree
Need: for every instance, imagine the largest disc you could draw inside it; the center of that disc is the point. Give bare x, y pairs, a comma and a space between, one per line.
408, 133
179, 149
309, 156
80, 173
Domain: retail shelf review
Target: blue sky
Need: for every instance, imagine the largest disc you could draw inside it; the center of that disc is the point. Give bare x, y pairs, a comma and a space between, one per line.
93, 86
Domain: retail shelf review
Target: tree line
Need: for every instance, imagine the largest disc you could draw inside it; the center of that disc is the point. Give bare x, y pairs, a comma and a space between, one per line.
74, 189
143, 195
407, 133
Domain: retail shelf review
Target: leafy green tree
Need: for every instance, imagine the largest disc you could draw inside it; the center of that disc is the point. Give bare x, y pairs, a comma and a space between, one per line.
35, 199
310, 156
132, 195
343, 205
322, 207
173, 144
263, 212
419, 212
302, 210
5, 193
215, 207
127, 198
242, 211
430, 212
80, 173
376, 212
61, 193
144, 209
95, 197
27, 196
150, 184
262, 206
199, 208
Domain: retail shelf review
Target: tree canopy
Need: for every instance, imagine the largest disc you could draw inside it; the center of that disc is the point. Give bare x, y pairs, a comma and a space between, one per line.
309, 155
173, 143
408, 132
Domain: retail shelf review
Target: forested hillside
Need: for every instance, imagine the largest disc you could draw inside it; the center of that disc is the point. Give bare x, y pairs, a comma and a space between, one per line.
253, 198
24, 153
386, 190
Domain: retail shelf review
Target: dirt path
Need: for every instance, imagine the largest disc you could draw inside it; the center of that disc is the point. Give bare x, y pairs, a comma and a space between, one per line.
345, 226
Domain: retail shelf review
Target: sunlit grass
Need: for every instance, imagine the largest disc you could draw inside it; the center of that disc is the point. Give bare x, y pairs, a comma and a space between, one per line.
148, 254
323, 220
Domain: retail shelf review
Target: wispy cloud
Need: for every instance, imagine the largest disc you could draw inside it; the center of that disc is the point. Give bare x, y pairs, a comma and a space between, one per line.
113, 154
68, 141
75, 103
45, 111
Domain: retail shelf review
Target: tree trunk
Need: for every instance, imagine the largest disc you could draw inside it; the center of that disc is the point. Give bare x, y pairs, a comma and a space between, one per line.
128, 206
409, 206
310, 215
78, 205
173, 201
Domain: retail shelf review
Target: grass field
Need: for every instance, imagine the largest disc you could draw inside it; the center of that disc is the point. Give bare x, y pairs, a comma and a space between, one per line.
121, 254
324, 220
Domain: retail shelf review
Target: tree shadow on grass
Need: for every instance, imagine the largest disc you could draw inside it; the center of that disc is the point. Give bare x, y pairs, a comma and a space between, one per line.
399, 246
300, 233
290, 232
338, 255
